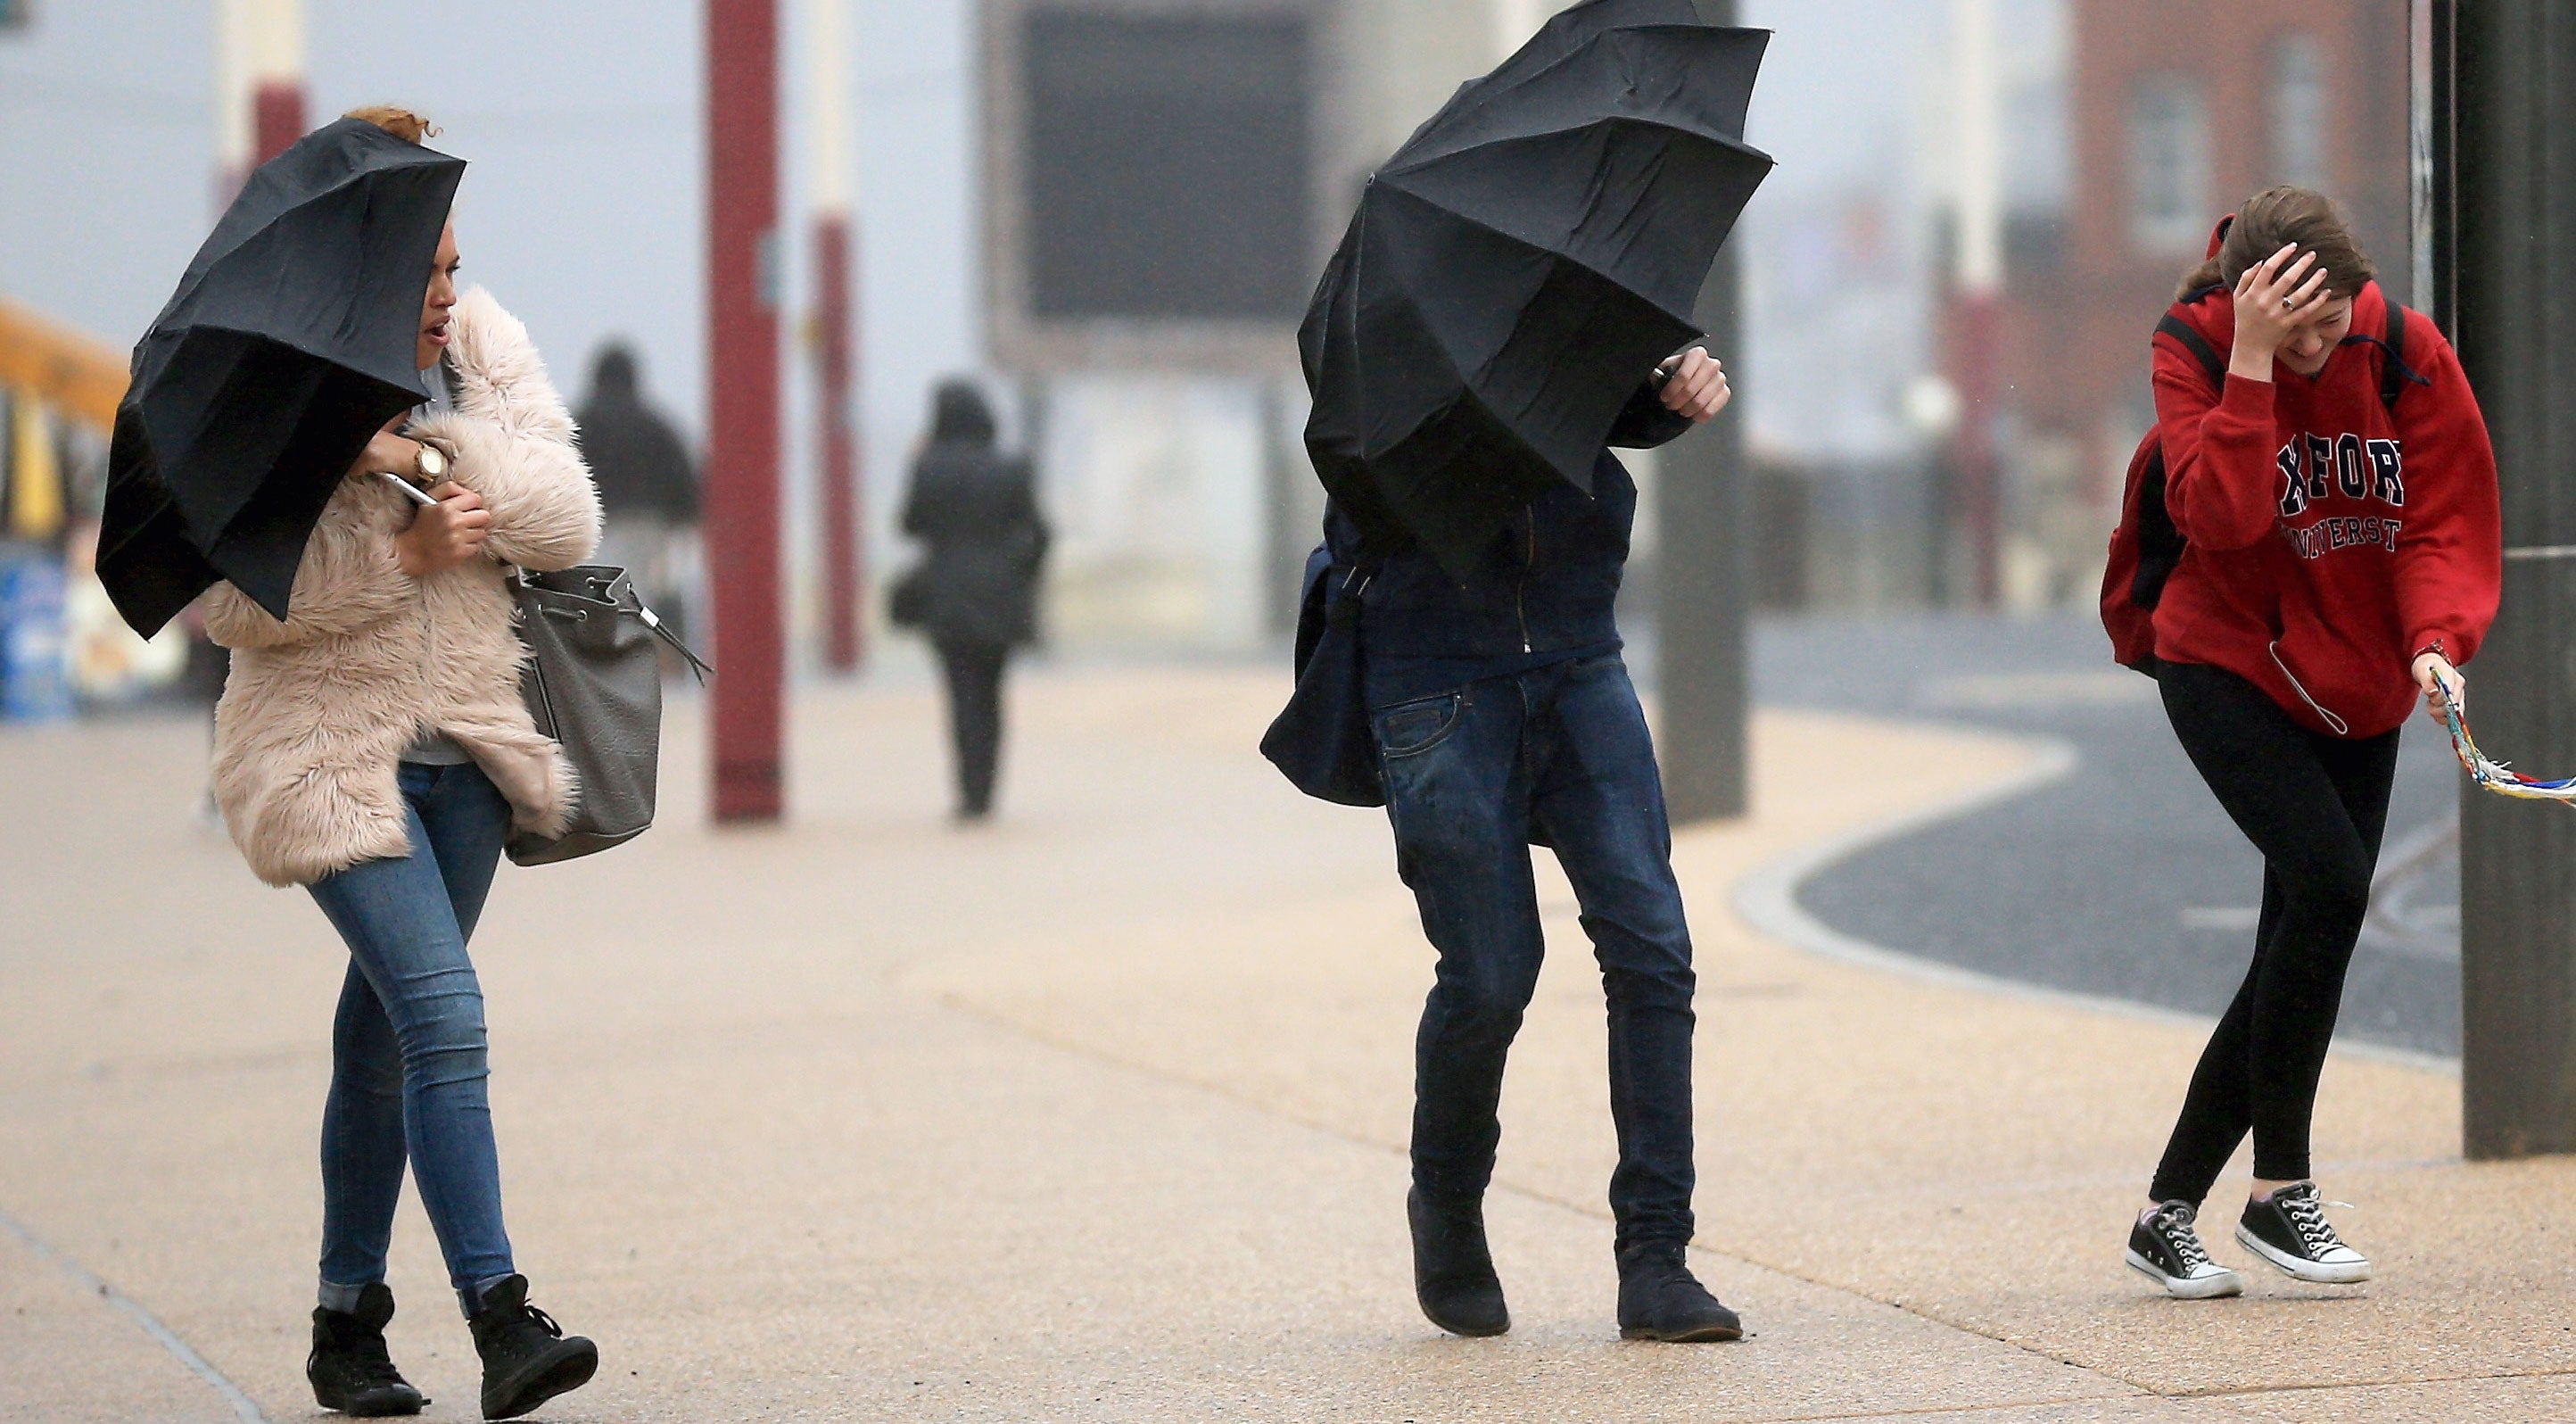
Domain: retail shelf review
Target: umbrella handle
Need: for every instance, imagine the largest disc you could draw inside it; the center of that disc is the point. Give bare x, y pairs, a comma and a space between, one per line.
1665, 368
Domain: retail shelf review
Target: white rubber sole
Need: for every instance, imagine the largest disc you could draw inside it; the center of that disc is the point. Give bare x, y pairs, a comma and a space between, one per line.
2225, 1283
2351, 1273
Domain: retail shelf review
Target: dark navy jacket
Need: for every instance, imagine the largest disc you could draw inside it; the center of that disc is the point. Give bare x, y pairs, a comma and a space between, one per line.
1547, 583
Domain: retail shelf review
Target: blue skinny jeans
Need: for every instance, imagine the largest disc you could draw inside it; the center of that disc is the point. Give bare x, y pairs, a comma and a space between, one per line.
1559, 756
409, 1070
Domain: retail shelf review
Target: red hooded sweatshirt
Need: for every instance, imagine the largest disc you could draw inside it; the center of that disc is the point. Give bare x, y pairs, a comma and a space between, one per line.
2331, 538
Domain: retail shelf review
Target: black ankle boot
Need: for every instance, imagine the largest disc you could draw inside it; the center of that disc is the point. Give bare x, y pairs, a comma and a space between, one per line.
1659, 1298
527, 1359
349, 1368
1453, 1273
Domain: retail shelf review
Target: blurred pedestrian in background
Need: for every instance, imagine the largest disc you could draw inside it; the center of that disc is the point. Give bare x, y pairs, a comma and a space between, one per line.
2330, 544
648, 486
975, 591
372, 746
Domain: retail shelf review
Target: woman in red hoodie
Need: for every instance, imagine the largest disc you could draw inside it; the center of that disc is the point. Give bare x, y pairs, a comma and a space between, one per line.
2343, 553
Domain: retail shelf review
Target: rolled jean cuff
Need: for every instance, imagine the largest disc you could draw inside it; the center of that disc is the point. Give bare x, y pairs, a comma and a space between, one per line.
1631, 1235
470, 1299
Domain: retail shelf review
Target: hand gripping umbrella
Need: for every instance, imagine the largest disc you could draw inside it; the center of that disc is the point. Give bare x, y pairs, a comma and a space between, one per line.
289, 342
1516, 269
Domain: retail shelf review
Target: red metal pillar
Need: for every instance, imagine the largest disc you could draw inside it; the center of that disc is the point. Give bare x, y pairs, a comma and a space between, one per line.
743, 279
277, 118
844, 512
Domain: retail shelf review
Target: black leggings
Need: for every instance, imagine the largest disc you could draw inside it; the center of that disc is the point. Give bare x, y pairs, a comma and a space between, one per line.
975, 718
2314, 805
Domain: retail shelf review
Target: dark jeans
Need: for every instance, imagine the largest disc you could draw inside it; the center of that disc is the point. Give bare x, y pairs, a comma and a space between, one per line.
408, 1065
2314, 805
975, 718
1562, 752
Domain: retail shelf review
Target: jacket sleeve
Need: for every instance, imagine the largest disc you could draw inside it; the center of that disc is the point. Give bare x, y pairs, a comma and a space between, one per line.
348, 581
2222, 486
2450, 552
1645, 422
514, 443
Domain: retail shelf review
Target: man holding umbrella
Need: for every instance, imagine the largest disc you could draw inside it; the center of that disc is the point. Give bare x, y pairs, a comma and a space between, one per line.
1505, 307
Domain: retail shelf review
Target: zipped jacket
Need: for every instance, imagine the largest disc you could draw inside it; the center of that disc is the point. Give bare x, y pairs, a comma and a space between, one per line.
2331, 537
1547, 583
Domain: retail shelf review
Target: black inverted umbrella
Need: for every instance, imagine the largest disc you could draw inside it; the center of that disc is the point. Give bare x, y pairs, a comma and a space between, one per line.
289, 343
1519, 265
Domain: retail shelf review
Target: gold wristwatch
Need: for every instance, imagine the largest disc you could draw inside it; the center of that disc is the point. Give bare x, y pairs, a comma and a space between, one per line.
430, 464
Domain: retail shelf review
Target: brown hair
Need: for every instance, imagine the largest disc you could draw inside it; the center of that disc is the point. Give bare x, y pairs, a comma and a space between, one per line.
2276, 218
402, 123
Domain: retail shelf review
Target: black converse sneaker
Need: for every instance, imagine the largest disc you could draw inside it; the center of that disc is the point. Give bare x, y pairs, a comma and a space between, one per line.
349, 1368
527, 1359
2291, 1232
2165, 1248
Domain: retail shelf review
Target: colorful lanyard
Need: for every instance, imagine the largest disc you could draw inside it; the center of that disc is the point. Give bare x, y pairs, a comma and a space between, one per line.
2495, 776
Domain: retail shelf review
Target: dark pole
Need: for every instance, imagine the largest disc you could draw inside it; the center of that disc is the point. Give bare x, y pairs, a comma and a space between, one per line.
2512, 161
743, 280
1700, 578
1973, 337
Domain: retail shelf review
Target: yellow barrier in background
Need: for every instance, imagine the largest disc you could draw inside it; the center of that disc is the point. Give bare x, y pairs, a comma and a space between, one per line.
81, 377
53, 377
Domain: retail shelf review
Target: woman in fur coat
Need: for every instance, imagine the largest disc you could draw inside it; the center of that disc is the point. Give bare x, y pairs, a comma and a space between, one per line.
373, 748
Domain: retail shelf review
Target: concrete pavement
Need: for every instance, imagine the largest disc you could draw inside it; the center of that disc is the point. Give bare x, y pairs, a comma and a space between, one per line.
1097, 1114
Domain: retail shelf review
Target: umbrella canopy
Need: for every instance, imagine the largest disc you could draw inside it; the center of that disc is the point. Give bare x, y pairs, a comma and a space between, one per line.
1516, 269
288, 344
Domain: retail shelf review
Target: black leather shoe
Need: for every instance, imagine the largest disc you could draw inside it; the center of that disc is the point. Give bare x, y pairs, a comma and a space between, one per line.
1453, 1273
1659, 1298
349, 1368
527, 1359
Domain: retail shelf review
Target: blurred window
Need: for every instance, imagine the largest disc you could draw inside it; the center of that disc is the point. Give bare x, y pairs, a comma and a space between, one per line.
2169, 213
1168, 165
2299, 111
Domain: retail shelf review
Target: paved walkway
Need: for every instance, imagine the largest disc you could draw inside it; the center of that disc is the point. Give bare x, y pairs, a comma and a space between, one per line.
1097, 1114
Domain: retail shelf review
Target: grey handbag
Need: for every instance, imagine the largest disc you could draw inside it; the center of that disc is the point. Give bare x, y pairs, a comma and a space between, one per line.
594, 684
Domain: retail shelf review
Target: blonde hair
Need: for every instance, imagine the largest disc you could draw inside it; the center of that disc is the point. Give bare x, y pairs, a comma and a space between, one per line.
402, 123
2276, 218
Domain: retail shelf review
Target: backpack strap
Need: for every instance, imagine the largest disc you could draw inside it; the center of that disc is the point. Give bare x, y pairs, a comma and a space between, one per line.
2192, 341
2393, 370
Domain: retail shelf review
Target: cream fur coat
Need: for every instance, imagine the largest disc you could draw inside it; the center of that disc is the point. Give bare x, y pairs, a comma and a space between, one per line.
319, 708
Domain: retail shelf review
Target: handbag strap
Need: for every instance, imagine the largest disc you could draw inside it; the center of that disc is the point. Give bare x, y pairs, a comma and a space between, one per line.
698, 666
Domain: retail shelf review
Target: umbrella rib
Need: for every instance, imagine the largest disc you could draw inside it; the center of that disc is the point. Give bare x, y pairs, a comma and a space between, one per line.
1519, 241
1398, 169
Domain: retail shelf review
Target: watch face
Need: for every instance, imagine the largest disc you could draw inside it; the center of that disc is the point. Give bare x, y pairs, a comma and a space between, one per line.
432, 462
